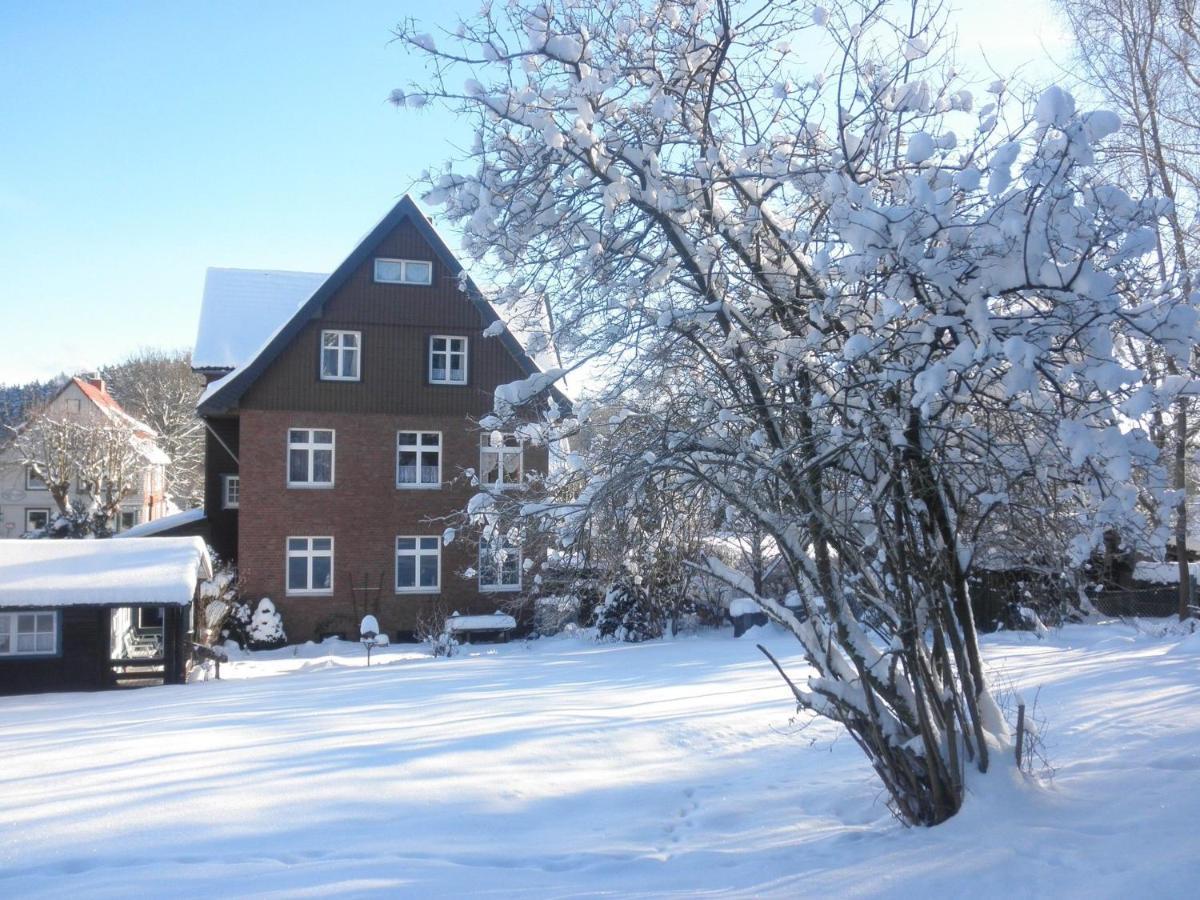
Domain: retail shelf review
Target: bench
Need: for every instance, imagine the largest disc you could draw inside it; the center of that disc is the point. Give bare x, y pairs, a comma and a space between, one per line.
495, 627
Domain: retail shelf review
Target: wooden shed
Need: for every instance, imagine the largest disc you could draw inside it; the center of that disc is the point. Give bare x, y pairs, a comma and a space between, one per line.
93, 614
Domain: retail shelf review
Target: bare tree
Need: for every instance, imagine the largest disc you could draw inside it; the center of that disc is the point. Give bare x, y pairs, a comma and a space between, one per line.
159, 388
103, 461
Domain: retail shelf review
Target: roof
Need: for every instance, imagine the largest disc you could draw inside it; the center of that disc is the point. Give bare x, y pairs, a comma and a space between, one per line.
223, 395
54, 573
241, 308
107, 404
1162, 572
164, 523
143, 435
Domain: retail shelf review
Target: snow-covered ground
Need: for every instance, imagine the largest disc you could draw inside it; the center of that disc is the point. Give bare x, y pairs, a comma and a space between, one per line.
569, 769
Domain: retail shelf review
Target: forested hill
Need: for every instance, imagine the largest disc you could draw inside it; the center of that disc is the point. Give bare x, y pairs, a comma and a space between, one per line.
17, 399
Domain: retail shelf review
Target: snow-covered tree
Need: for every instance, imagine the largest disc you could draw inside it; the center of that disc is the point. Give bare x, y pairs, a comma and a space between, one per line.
265, 629
887, 310
159, 388
1143, 58
88, 466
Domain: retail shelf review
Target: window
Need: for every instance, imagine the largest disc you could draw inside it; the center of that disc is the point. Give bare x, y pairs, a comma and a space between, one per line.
128, 518
231, 491
36, 519
499, 565
404, 271
28, 634
447, 359
310, 565
340, 355
150, 618
418, 565
418, 459
32, 482
500, 459
310, 457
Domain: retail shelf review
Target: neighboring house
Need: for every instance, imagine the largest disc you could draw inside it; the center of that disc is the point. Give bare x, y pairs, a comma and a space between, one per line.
26, 504
338, 434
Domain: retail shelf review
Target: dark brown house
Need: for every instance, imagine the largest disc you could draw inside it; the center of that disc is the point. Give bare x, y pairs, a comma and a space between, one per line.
338, 451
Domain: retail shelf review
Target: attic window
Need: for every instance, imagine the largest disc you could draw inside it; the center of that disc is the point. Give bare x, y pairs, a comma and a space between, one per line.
403, 271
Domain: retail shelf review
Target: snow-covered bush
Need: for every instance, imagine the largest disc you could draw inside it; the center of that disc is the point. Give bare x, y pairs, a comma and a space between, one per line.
443, 644
265, 628
553, 613
866, 314
627, 612
432, 630
216, 602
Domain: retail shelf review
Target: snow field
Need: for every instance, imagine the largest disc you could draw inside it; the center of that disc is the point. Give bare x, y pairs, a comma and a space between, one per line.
570, 769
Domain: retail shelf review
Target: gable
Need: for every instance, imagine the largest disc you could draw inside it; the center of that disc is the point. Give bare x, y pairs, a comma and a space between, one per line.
351, 296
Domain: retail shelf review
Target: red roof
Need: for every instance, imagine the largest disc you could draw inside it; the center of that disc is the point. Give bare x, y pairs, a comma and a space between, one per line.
98, 395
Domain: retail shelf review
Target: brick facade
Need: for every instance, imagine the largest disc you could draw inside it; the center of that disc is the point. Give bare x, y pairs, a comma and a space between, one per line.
363, 512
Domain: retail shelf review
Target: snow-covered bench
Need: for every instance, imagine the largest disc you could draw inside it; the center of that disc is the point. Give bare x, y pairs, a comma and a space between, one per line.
496, 626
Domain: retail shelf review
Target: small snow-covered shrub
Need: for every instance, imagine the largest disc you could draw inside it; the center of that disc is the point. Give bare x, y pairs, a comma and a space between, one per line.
265, 630
444, 644
218, 597
432, 630
235, 628
551, 615
627, 613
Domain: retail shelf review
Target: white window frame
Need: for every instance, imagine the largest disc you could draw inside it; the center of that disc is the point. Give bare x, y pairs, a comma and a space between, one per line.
498, 586
404, 267
416, 553
10, 622
235, 479
36, 509
121, 513
310, 554
418, 448
466, 358
29, 485
486, 447
341, 350
311, 446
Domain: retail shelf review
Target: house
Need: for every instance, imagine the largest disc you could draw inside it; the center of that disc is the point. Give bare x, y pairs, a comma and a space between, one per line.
341, 434
83, 615
26, 504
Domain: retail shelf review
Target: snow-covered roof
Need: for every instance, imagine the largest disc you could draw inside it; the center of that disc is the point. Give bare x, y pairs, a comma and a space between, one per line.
242, 308
164, 523
743, 606
1162, 572
53, 573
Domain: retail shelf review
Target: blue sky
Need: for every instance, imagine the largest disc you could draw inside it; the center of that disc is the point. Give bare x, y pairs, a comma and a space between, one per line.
144, 142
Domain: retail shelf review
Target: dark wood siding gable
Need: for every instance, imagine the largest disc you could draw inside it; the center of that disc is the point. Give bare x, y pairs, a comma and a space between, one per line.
397, 322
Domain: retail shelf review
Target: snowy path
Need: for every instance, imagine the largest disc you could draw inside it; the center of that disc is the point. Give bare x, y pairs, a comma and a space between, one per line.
570, 770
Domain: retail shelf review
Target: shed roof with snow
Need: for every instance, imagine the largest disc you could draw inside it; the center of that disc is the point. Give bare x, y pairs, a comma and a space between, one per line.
180, 519
55, 573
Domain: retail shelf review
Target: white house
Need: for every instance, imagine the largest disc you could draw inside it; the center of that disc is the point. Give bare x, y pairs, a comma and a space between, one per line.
26, 504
